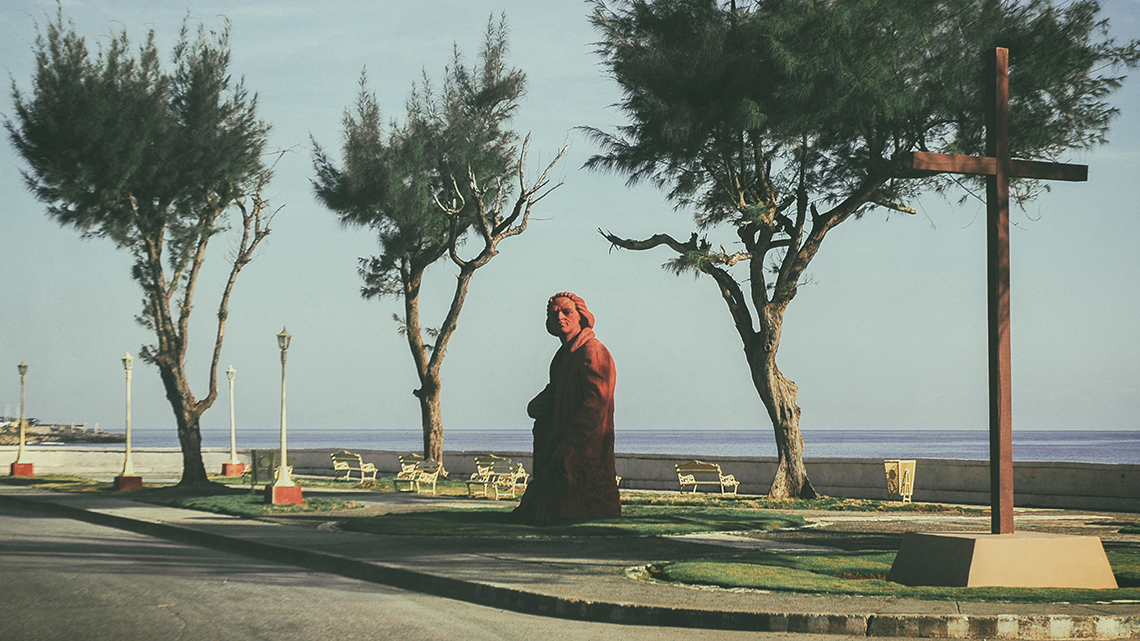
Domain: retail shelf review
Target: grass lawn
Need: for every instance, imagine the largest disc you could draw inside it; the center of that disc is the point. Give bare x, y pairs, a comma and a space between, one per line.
825, 503
215, 498
864, 573
384, 484
636, 520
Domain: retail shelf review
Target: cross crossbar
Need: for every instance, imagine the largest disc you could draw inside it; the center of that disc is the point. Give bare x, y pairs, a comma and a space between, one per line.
927, 163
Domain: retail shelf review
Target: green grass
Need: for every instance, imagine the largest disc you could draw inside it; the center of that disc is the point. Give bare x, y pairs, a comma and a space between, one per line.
254, 506
1131, 529
382, 485
635, 521
212, 498
59, 483
825, 503
864, 573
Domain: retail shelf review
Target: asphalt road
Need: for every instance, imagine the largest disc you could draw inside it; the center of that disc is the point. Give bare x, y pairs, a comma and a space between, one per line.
69, 580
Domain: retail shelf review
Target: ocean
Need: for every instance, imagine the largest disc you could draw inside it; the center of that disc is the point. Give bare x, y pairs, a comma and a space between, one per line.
1073, 446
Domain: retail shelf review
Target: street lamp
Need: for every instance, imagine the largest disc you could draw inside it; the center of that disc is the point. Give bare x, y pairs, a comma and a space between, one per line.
128, 480
234, 467
22, 466
283, 490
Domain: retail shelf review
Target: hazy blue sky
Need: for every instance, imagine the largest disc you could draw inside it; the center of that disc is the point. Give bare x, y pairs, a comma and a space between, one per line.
890, 334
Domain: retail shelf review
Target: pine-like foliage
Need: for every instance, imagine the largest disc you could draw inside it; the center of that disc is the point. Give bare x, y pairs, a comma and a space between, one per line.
391, 180
779, 119
425, 185
118, 147
732, 109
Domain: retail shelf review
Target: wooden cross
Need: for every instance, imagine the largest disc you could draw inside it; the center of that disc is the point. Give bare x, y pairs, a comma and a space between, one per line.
998, 168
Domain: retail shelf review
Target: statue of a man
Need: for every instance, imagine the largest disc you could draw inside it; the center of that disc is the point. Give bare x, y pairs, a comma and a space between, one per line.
574, 475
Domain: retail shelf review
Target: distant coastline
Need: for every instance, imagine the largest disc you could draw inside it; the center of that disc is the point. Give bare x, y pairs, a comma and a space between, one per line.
42, 433
1028, 445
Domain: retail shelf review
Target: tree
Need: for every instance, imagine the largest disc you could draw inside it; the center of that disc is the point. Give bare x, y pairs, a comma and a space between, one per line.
444, 174
153, 160
777, 120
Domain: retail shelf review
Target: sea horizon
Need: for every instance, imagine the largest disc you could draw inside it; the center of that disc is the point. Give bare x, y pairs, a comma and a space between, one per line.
1100, 446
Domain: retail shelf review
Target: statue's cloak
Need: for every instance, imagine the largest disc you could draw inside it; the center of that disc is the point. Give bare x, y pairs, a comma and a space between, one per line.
574, 475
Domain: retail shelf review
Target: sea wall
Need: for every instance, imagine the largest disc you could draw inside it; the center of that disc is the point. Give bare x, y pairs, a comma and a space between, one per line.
1090, 486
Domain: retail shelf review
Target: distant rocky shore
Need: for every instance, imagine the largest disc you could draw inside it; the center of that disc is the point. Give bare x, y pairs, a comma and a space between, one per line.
10, 434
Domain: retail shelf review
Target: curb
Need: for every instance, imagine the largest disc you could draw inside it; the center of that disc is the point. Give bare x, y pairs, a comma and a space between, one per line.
1004, 626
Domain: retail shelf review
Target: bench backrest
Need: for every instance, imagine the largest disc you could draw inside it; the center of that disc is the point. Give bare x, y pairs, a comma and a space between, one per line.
408, 462
483, 464
428, 467
503, 468
698, 467
345, 457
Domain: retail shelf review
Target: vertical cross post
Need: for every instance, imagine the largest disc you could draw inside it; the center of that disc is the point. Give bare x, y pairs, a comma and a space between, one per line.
997, 242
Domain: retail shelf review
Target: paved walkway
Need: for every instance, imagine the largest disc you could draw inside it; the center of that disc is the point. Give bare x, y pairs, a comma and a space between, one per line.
593, 579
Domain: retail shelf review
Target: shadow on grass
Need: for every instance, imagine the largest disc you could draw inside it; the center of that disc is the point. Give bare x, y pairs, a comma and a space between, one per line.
206, 497
823, 503
864, 572
637, 520
58, 482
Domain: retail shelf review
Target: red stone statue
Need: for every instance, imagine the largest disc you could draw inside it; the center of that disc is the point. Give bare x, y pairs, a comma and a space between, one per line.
573, 471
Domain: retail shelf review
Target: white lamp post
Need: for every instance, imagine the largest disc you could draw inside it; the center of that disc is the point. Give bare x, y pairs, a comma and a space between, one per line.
128, 480
234, 467
22, 466
128, 467
283, 490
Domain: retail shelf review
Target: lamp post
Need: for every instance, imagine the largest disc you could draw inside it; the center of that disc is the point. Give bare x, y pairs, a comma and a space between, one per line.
283, 489
128, 480
22, 466
234, 467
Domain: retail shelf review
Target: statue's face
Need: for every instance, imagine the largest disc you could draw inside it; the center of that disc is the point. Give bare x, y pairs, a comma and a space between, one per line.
565, 317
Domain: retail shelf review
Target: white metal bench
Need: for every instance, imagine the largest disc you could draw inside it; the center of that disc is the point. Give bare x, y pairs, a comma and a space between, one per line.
698, 473
477, 484
497, 477
408, 463
346, 463
422, 473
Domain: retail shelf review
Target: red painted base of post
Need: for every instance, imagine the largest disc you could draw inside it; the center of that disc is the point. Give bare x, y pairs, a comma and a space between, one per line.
233, 469
23, 469
283, 495
127, 483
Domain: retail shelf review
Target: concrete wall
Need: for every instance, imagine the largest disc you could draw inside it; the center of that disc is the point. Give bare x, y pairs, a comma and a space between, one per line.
1097, 486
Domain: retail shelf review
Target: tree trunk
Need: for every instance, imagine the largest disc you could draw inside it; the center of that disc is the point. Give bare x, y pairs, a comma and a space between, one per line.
432, 419
779, 397
190, 438
187, 414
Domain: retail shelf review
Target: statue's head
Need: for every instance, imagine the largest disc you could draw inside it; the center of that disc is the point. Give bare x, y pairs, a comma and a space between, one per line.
566, 315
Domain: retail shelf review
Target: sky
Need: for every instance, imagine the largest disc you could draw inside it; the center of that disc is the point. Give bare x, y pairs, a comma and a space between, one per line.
888, 333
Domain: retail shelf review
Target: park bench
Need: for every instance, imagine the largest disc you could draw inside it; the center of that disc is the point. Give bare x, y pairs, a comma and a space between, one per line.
698, 473
481, 477
507, 479
497, 475
347, 463
408, 463
422, 472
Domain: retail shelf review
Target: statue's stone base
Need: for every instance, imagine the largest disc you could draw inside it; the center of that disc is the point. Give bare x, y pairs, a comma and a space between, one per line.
23, 469
233, 469
1021, 560
128, 482
283, 495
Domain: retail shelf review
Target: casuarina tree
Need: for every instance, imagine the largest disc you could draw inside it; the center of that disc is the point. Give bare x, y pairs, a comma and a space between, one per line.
450, 172
775, 121
155, 161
